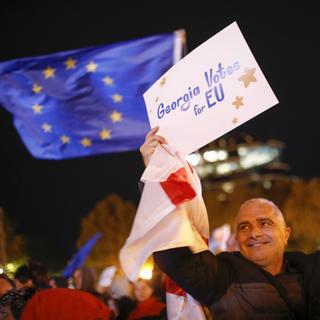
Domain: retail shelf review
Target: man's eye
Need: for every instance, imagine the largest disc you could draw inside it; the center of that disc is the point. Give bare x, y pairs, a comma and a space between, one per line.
243, 228
266, 223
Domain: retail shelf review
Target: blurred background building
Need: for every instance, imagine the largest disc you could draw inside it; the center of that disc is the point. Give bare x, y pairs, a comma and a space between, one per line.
240, 160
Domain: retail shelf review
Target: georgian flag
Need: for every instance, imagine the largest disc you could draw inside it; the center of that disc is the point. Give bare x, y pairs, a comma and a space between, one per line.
171, 214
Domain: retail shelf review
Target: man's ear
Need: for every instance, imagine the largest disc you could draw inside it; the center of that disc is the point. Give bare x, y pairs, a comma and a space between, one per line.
287, 234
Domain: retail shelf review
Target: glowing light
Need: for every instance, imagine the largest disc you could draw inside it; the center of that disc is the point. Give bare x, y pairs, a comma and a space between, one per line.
210, 156
227, 167
242, 151
214, 155
1, 270
193, 158
11, 267
146, 271
222, 155
267, 184
228, 187
258, 156
222, 197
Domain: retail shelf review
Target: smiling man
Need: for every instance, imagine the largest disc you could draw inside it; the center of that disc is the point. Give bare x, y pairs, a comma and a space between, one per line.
259, 282
262, 234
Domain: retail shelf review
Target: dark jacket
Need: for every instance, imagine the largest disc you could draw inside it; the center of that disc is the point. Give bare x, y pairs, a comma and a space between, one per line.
234, 288
309, 266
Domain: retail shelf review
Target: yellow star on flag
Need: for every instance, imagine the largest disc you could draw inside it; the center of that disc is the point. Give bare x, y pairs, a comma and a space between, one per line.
117, 98
91, 67
108, 81
49, 72
235, 121
46, 127
248, 77
65, 139
116, 116
238, 102
163, 81
105, 134
70, 63
36, 88
37, 108
86, 142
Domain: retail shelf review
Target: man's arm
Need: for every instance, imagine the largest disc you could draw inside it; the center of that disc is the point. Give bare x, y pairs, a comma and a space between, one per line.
204, 276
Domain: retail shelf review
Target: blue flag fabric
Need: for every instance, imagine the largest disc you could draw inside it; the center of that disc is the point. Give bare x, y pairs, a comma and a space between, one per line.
78, 259
86, 101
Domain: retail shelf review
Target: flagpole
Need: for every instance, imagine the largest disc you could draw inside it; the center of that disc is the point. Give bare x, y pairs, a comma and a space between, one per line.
179, 49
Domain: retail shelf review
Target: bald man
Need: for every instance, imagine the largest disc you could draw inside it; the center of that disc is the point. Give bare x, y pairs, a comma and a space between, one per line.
260, 281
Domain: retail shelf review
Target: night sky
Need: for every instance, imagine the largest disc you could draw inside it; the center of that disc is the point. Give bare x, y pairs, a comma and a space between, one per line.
46, 199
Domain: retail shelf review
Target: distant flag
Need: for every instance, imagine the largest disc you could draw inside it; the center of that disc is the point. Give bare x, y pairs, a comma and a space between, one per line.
86, 101
78, 259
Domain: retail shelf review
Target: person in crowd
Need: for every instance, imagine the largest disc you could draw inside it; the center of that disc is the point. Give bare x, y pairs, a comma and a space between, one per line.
24, 277
40, 272
121, 307
261, 281
6, 284
148, 306
84, 278
12, 303
58, 282
33, 274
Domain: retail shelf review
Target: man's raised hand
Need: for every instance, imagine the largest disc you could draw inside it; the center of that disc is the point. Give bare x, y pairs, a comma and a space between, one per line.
150, 144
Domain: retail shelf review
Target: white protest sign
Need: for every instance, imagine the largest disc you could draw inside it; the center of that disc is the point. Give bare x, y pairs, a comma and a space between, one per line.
215, 88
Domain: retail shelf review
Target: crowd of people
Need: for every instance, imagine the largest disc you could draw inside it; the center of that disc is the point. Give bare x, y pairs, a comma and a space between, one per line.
85, 295
33, 295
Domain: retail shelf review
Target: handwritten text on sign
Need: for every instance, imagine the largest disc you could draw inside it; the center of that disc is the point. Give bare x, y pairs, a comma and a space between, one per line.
212, 90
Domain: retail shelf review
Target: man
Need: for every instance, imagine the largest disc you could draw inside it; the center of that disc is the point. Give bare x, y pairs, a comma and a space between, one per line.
24, 277
259, 282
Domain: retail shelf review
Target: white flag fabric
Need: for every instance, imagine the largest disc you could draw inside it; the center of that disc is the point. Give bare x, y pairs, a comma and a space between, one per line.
171, 214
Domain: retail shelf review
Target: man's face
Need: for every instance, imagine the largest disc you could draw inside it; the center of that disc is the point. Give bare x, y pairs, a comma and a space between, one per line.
19, 285
262, 235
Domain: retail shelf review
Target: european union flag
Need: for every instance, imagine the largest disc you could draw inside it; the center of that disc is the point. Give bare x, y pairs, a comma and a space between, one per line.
86, 101
79, 258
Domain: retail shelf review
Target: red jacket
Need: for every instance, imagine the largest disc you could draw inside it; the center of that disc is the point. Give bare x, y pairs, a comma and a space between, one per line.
150, 308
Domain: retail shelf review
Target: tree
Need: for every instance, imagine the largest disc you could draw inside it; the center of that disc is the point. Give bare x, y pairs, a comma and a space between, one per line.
302, 213
11, 242
113, 217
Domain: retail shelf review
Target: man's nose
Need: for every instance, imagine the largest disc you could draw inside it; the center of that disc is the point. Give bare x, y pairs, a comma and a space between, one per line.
255, 231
